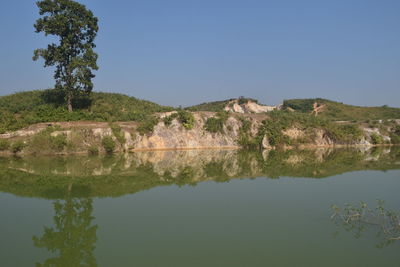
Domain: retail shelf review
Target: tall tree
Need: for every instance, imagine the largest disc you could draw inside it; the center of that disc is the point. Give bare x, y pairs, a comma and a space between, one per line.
74, 58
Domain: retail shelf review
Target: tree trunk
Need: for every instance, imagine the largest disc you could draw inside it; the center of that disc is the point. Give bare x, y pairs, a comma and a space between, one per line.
69, 102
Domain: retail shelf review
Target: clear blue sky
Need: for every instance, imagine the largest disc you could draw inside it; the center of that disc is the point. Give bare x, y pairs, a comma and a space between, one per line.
186, 52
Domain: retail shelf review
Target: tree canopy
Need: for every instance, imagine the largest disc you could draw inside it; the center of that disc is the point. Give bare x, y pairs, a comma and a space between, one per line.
74, 56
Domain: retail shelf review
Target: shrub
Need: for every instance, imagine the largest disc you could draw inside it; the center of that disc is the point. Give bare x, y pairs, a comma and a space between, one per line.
58, 142
186, 118
108, 144
22, 109
4, 144
396, 130
117, 131
214, 125
395, 139
168, 119
43, 142
93, 150
18, 146
147, 125
244, 100
376, 139
345, 133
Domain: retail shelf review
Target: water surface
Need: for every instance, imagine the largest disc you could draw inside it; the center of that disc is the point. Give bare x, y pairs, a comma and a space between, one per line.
195, 208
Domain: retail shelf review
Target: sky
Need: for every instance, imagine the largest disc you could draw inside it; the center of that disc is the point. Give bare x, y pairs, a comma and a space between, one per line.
185, 52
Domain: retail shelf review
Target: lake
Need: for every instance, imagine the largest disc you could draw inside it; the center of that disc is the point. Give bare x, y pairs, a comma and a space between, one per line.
197, 208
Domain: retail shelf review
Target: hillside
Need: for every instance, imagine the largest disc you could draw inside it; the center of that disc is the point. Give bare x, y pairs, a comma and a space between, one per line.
338, 111
323, 108
217, 106
22, 109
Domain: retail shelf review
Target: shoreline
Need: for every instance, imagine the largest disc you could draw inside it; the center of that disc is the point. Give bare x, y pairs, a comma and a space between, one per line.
301, 147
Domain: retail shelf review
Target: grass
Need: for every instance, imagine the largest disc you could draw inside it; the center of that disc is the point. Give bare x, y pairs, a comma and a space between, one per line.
4, 144
17, 146
44, 142
216, 124
218, 106
342, 112
279, 121
147, 124
23, 109
108, 144
215, 106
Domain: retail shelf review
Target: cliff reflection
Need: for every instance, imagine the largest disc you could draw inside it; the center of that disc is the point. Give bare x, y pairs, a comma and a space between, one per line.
50, 177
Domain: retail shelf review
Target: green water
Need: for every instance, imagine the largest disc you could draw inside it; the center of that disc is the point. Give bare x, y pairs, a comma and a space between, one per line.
195, 208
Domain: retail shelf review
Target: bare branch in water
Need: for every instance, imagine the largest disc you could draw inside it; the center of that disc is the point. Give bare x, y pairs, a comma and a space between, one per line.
356, 219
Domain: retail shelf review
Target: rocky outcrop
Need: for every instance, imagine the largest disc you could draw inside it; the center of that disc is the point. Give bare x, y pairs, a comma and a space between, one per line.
84, 136
248, 107
175, 136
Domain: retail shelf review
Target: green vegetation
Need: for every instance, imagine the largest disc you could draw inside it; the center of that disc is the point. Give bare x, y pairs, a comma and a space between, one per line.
246, 140
44, 142
73, 57
216, 124
168, 119
147, 124
395, 135
23, 109
357, 218
93, 150
56, 176
186, 118
337, 111
376, 139
4, 144
117, 131
215, 106
108, 144
279, 121
243, 100
17, 146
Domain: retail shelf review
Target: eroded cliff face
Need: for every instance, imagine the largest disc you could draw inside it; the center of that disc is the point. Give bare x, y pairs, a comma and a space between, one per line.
82, 136
175, 136
249, 106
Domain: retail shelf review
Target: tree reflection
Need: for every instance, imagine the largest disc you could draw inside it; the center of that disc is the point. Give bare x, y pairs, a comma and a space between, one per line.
73, 236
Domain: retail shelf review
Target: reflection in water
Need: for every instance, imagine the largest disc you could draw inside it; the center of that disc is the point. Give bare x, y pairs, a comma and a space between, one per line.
73, 236
358, 219
72, 183
50, 177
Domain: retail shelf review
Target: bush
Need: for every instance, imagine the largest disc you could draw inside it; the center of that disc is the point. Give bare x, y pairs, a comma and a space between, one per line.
345, 133
168, 119
58, 142
117, 131
186, 118
395, 139
17, 146
214, 125
376, 139
22, 109
43, 142
396, 130
4, 144
93, 150
147, 125
108, 144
